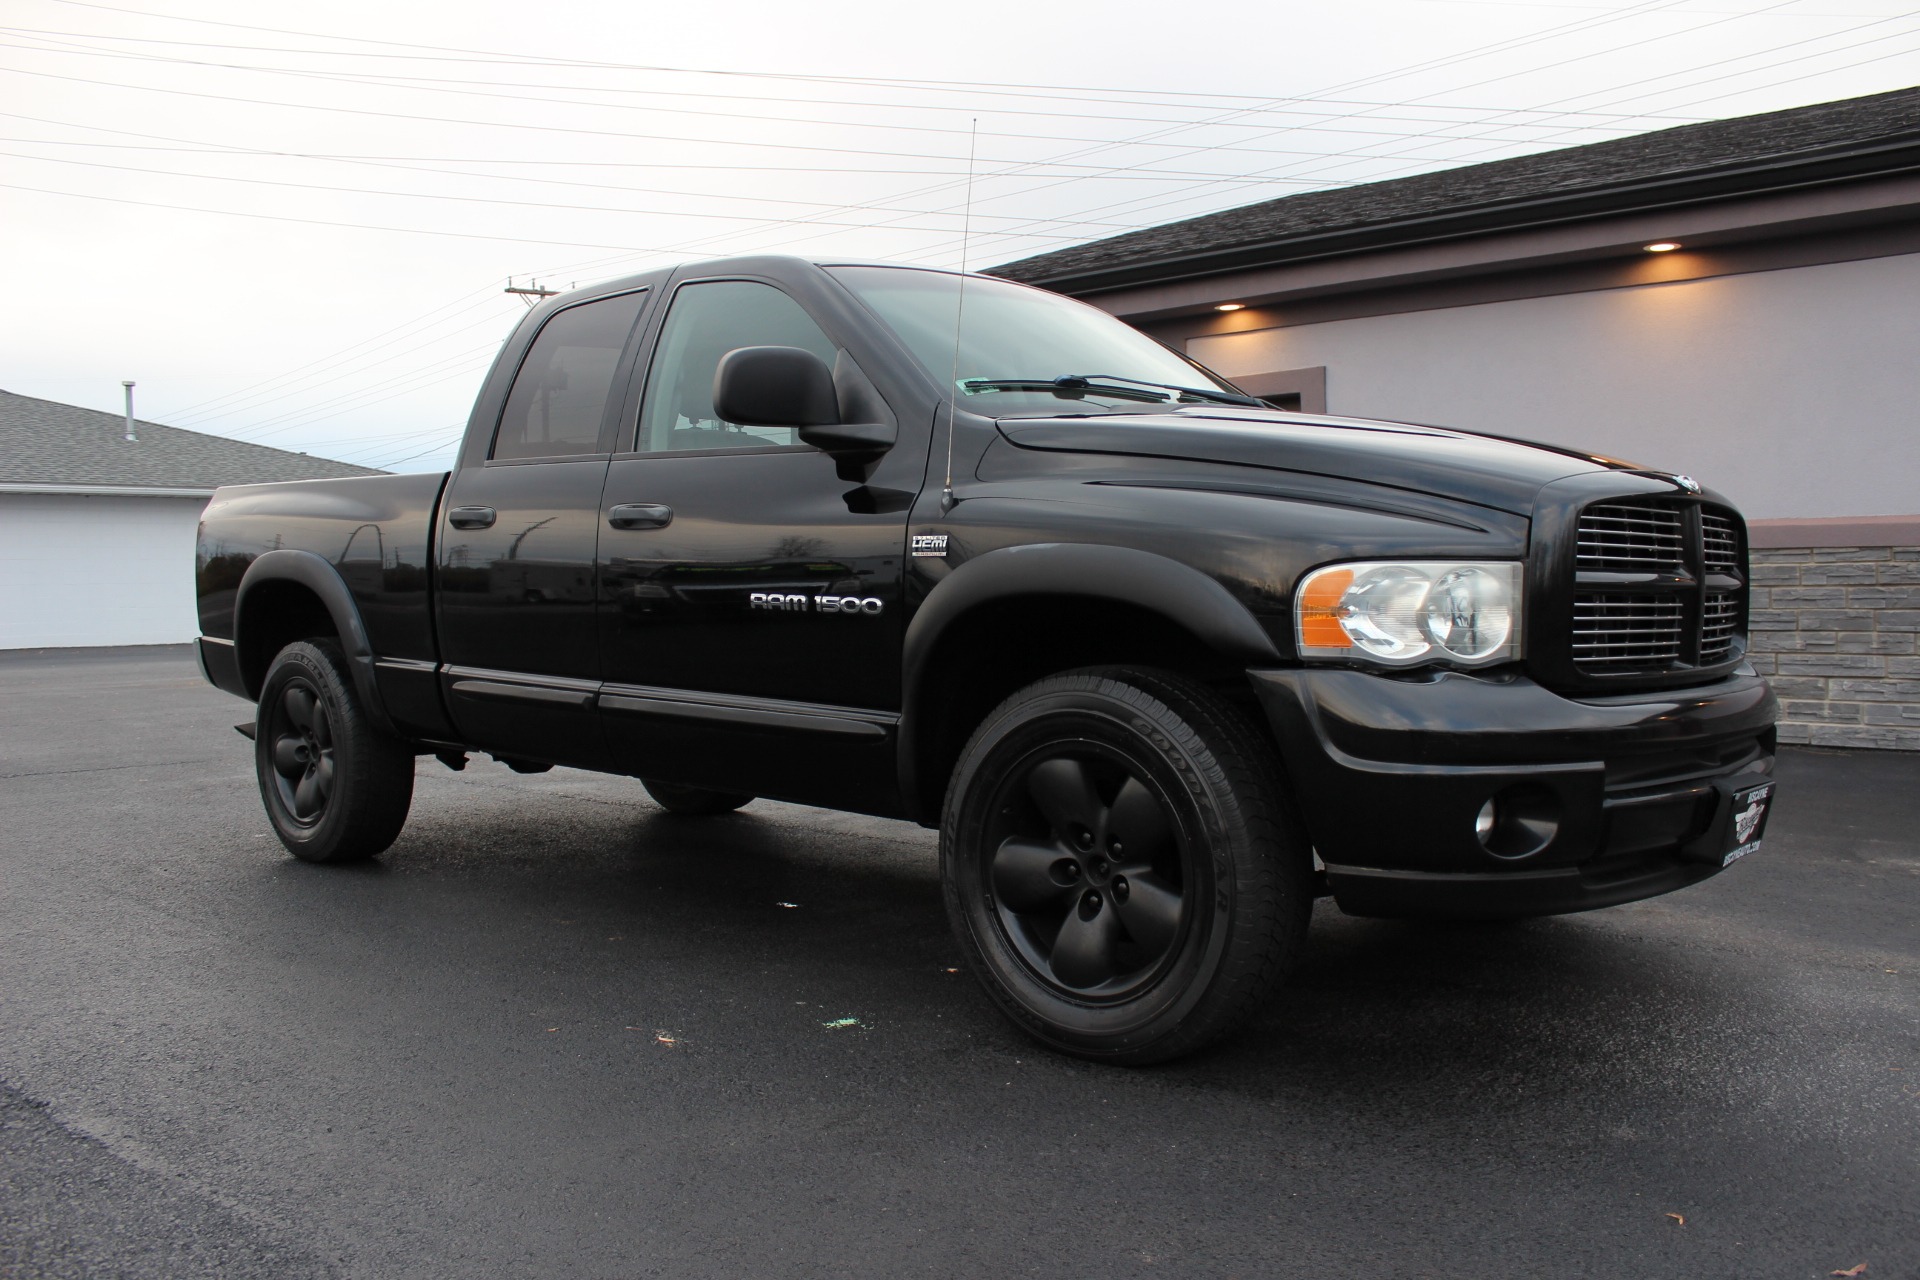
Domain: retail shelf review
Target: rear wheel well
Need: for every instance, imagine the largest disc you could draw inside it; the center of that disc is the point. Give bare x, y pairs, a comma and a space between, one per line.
1007, 644
273, 616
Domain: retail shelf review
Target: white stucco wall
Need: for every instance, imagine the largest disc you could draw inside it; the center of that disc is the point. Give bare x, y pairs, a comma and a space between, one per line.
78, 570
1795, 392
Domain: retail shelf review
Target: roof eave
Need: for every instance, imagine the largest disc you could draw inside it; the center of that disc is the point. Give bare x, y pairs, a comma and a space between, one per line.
107, 490
1783, 174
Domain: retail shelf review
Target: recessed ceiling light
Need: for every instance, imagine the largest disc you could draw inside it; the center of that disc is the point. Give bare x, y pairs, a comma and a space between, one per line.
1232, 306
1663, 246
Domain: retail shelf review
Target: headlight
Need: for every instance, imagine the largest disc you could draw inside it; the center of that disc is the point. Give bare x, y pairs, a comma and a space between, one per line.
1400, 613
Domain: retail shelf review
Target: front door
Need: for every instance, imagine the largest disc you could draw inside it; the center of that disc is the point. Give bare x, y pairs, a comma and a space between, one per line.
750, 598
516, 584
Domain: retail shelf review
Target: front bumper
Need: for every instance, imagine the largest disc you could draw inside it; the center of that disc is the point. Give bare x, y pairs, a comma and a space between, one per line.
1601, 800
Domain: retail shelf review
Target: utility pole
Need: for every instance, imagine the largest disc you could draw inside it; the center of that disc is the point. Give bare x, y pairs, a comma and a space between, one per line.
531, 293
130, 437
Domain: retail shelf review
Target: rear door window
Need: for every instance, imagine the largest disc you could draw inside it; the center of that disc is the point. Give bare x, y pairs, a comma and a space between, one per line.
558, 405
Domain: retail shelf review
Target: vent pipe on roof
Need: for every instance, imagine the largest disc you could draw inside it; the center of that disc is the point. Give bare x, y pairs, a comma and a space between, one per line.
130, 436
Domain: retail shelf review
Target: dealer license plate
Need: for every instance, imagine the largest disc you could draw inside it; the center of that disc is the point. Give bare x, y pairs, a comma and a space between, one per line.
1747, 822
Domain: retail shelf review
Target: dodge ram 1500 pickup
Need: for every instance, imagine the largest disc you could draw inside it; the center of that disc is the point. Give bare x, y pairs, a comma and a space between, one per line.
1161, 662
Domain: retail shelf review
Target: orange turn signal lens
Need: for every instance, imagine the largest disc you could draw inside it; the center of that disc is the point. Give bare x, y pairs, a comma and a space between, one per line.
1320, 610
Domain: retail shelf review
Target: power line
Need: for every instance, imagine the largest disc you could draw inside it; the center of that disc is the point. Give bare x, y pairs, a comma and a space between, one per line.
519, 204
198, 146
424, 83
321, 222
753, 117
423, 453
369, 446
393, 388
466, 302
1324, 175
1639, 10
1018, 169
972, 87
401, 163
241, 402
1383, 77
1798, 44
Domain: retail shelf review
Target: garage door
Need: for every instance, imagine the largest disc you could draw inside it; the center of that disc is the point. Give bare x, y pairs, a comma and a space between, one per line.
83, 570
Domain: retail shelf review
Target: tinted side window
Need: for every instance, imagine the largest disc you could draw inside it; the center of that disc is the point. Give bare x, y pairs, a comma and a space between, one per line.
559, 398
707, 321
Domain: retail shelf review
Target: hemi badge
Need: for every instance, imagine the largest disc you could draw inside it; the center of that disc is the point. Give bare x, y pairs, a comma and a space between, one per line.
929, 544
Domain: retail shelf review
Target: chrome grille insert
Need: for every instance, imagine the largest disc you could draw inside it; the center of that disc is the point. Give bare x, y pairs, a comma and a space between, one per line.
1719, 615
1720, 544
1631, 537
1615, 631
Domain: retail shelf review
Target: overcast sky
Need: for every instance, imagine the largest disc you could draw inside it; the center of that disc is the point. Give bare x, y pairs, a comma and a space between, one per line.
293, 223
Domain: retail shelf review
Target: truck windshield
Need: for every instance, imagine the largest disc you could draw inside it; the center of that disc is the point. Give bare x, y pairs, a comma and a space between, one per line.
1024, 352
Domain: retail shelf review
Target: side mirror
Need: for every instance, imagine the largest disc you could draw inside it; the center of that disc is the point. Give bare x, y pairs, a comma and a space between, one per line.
789, 387
774, 387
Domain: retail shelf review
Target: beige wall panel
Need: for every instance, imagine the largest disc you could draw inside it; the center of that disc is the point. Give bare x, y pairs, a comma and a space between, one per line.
1795, 392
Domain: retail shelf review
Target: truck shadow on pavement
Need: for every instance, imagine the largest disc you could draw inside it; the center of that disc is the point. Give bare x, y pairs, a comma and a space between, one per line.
1378, 1015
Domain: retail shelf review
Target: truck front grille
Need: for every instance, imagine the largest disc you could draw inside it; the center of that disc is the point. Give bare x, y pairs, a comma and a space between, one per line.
1613, 632
1660, 588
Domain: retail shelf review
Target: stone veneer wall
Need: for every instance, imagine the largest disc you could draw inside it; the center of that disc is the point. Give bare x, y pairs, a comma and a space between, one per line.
1836, 630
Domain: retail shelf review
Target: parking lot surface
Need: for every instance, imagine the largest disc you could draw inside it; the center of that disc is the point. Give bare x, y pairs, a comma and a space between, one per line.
556, 1032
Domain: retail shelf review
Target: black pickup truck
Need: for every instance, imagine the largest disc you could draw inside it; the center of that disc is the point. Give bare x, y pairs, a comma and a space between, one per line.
1161, 662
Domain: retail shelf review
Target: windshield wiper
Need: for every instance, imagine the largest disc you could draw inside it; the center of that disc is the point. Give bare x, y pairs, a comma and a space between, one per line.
1066, 388
1074, 386
1196, 393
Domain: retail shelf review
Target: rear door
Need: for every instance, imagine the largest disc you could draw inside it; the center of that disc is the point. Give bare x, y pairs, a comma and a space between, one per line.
751, 616
516, 590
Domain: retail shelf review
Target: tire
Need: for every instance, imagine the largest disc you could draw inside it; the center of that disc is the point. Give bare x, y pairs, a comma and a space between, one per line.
693, 802
1121, 867
336, 789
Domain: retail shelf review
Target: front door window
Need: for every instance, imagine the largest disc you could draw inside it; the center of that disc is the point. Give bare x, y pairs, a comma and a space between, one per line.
708, 320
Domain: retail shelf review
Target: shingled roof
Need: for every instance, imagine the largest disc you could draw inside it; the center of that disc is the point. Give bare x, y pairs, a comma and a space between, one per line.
1832, 142
44, 442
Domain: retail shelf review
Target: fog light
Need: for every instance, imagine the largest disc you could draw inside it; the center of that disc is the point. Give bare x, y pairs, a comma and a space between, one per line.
1519, 822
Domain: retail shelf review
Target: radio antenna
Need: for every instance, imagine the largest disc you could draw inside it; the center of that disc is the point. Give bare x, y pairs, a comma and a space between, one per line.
959, 313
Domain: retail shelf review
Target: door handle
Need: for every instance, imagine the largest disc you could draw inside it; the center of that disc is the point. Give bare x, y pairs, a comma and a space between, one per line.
640, 515
472, 517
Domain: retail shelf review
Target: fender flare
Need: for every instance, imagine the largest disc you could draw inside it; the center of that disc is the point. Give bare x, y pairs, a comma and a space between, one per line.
321, 578
1181, 593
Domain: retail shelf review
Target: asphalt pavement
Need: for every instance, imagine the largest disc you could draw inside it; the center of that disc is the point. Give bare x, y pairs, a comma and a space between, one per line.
555, 1032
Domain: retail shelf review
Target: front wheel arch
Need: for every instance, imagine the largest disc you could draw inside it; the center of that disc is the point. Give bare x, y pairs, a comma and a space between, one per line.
1180, 618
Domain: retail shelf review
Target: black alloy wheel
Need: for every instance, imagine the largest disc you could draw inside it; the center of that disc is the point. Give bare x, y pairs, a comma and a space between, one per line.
335, 787
300, 744
1088, 871
1121, 865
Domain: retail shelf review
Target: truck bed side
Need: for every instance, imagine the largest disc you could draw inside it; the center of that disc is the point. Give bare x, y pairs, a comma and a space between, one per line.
276, 561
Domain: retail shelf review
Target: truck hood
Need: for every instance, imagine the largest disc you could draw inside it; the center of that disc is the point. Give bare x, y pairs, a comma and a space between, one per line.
1484, 470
